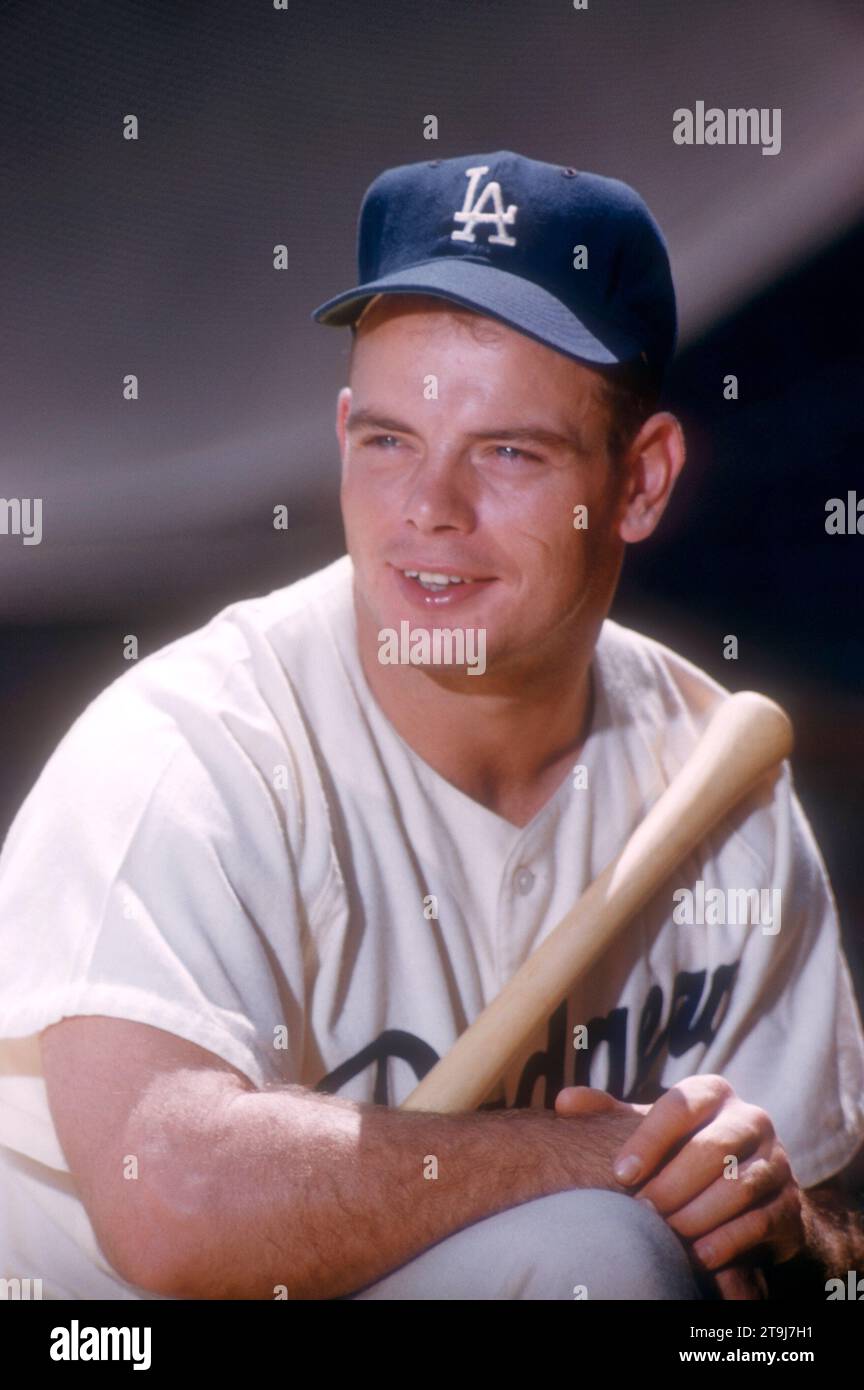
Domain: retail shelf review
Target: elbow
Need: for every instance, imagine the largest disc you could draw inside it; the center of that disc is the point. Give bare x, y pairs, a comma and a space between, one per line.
157, 1253
159, 1235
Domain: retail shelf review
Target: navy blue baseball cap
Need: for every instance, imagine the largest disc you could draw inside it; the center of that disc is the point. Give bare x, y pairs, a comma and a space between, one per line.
572, 259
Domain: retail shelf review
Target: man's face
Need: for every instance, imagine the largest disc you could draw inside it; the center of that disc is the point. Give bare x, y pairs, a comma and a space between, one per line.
466, 447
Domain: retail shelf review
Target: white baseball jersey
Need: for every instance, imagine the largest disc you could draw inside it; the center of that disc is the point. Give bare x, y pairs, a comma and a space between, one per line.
232, 843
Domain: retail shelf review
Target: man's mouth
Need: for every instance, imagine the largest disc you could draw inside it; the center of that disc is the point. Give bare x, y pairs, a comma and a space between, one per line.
439, 587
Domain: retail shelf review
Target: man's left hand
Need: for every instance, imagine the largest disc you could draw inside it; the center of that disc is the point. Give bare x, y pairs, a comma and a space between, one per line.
677, 1159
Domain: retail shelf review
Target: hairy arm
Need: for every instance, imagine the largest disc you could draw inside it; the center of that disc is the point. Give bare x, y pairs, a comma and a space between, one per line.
834, 1223
833, 1242
239, 1191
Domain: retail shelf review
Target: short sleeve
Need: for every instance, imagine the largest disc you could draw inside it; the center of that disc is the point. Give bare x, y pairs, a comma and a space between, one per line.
792, 1040
152, 873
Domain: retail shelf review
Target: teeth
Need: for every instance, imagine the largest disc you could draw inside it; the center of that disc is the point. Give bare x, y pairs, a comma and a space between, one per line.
426, 577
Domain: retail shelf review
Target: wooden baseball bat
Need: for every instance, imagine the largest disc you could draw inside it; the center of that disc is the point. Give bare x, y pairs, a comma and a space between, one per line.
747, 736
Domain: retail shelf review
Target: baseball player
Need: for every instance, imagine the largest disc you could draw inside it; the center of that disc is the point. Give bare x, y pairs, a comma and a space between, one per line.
273, 871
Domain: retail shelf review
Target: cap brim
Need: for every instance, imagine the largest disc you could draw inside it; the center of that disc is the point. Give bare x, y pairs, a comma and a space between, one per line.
511, 299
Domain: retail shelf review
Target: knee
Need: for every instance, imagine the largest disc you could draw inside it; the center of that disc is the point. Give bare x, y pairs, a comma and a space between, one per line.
604, 1245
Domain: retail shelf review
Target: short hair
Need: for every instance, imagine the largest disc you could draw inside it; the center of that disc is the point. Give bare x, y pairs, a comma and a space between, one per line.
629, 392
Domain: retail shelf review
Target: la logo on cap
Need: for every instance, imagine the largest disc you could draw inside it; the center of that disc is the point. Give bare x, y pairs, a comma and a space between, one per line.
472, 211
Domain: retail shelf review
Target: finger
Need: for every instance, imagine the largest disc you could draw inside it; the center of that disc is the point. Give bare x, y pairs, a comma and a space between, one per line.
758, 1181
583, 1100
685, 1108
738, 1283
715, 1197
692, 1148
774, 1225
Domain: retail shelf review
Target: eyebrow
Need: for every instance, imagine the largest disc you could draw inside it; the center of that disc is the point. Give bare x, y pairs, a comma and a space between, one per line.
539, 433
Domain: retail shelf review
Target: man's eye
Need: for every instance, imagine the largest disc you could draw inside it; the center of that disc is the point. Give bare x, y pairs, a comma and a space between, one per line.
383, 441
510, 452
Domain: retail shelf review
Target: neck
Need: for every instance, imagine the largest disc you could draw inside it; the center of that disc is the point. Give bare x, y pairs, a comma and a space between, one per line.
505, 740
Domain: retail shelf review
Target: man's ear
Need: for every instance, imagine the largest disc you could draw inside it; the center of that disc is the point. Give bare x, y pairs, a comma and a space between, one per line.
654, 460
343, 405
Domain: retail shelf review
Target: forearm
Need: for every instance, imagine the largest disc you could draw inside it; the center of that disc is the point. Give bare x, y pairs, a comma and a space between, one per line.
322, 1196
833, 1245
834, 1225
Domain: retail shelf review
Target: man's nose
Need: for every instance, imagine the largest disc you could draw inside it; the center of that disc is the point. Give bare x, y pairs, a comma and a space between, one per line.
439, 494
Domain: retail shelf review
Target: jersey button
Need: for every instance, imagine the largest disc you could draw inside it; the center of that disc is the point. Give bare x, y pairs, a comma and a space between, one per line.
524, 881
